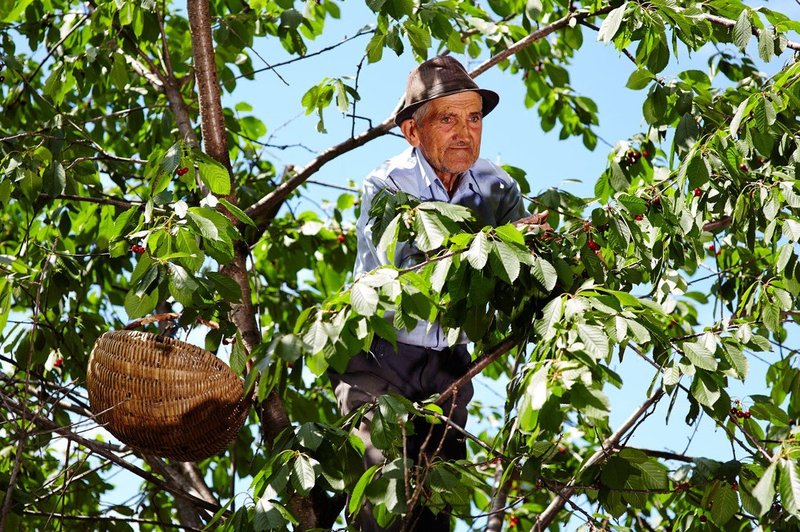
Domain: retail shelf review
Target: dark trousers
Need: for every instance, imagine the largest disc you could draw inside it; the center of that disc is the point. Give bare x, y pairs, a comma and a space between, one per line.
415, 373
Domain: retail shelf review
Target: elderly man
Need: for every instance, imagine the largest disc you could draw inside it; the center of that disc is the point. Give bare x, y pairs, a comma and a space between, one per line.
442, 120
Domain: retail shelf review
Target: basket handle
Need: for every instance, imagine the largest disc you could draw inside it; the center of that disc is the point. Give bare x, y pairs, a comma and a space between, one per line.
169, 316
166, 316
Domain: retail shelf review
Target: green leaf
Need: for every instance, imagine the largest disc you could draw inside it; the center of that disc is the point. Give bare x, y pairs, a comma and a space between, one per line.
551, 315
594, 340
742, 30
790, 486
213, 174
610, 25
238, 213
504, 261
725, 504
704, 390
181, 285
766, 45
54, 180
431, 232
700, 356
634, 204
478, 252
791, 229
303, 475
209, 223
359, 492
364, 299
640, 79
764, 491
545, 273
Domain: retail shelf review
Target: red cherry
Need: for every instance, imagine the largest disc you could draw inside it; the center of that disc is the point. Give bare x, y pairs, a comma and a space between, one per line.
743, 167
703, 519
733, 411
712, 248
58, 362
639, 217
594, 246
746, 414
645, 154
182, 171
657, 201
513, 521
739, 414
340, 238
698, 192
735, 486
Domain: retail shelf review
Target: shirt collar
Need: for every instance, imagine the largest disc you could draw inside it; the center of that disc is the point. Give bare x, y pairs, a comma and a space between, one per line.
428, 174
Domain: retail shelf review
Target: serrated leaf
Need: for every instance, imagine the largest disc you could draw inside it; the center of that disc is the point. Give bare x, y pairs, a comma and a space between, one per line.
439, 275
181, 285
634, 205
478, 252
545, 273
364, 299
238, 213
594, 340
790, 486
611, 24
388, 241
215, 176
639, 79
359, 492
700, 356
705, 392
431, 232
724, 505
738, 116
507, 259
764, 491
766, 45
551, 315
791, 229
303, 475
742, 30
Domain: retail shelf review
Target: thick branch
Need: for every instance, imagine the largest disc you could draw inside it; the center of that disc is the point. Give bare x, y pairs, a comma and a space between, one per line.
205, 69
480, 363
609, 446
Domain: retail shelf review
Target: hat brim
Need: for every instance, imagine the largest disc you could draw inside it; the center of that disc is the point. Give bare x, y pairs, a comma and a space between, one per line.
490, 101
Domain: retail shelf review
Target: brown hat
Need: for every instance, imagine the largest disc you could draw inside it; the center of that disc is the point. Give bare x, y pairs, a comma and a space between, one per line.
437, 77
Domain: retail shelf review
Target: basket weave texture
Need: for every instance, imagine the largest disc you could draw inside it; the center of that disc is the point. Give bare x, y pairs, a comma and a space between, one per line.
163, 396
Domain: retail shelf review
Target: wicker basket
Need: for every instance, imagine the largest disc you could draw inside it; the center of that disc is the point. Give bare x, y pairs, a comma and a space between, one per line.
164, 397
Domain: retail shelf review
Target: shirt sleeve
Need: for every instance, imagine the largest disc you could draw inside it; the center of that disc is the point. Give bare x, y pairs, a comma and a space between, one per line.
367, 256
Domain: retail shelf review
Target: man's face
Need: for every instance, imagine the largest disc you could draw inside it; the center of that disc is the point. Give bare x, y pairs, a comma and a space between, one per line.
450, 135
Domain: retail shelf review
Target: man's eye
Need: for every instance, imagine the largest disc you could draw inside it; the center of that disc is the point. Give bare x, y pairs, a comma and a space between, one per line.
447, 119
475, 119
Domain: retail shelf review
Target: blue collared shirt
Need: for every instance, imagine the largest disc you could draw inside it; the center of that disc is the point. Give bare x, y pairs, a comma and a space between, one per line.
492, 195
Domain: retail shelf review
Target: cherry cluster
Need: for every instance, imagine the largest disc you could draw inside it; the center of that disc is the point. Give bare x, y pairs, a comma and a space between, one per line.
182, 171
136, 248
738, 413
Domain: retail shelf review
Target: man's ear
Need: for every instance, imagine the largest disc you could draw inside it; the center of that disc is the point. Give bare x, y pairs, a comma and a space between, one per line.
410, 131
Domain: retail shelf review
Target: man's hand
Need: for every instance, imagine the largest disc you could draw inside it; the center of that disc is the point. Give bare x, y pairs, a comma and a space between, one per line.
535, 221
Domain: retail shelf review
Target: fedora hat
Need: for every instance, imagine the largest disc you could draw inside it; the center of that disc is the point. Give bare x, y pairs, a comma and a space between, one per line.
437, 77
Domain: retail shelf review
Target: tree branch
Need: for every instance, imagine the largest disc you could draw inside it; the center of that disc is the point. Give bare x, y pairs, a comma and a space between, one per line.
728, 23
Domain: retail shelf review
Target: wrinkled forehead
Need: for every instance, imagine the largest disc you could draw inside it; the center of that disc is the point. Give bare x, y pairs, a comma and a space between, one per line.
462, 102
